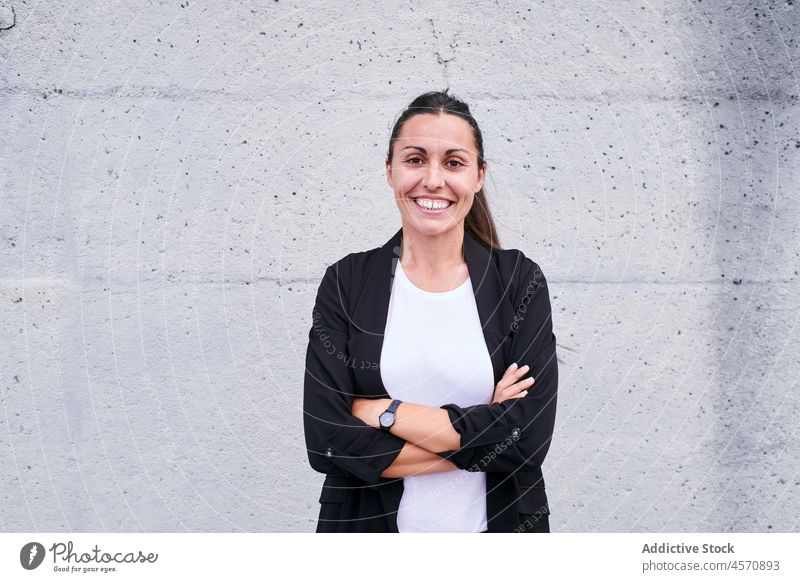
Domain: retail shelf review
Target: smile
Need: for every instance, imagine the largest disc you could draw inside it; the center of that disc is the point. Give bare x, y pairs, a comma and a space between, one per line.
432, 206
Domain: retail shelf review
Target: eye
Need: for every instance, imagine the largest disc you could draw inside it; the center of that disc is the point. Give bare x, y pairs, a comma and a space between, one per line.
412, 159
456, 161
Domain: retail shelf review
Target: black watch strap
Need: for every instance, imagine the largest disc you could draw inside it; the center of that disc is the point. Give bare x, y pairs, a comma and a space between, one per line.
393, 406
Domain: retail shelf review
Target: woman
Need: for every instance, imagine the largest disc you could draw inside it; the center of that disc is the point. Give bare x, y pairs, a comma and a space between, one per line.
431, 373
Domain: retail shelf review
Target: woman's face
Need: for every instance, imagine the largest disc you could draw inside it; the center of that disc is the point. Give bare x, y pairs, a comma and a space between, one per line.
434, 172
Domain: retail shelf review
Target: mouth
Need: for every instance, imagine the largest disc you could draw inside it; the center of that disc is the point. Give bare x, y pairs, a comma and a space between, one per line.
432, 205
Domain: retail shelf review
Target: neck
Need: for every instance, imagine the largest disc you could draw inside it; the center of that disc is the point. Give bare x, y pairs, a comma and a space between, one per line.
432, 252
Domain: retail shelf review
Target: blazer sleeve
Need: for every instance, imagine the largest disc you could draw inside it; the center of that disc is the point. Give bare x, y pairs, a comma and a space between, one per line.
515, 434
336, 441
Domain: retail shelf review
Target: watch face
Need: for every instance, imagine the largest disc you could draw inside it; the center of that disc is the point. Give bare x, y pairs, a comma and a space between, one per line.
386, 419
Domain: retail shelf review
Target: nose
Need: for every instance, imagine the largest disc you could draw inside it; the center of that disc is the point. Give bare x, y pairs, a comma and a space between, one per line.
434, 177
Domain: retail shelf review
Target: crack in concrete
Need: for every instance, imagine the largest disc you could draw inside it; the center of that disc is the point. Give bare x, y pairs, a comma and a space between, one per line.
439, 58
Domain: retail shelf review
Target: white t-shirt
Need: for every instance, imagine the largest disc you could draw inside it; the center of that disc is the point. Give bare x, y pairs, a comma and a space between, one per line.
434, 353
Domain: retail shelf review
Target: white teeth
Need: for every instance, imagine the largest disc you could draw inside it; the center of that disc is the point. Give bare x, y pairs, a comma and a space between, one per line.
432, 204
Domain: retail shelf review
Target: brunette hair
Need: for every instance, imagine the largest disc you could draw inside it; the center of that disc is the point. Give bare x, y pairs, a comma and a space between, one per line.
478, 222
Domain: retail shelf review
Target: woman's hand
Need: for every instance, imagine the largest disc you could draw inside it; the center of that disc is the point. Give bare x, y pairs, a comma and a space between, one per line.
510, 386
369, 409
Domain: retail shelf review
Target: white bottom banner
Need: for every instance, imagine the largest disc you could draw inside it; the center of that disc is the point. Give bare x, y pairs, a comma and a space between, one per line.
331, 557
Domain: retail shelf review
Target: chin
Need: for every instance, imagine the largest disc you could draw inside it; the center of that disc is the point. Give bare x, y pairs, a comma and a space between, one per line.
430, 228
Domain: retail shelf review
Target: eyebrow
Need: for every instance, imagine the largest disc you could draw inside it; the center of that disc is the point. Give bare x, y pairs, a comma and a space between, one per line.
447, 153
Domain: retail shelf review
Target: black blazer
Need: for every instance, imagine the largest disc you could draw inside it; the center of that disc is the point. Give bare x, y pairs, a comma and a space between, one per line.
508, 440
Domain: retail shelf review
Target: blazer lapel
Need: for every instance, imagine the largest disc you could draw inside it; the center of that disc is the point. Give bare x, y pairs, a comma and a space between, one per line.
368, 320
495, 308
372, 307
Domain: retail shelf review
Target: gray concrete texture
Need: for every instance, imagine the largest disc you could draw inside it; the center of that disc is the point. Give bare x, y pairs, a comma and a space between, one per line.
175, 177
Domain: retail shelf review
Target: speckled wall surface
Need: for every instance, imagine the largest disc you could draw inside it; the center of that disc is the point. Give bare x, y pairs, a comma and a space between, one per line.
175, 176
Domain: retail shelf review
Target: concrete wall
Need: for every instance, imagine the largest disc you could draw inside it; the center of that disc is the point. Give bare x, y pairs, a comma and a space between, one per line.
175, 176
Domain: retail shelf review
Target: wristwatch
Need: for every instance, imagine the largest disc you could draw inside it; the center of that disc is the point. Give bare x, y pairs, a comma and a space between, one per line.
386, 419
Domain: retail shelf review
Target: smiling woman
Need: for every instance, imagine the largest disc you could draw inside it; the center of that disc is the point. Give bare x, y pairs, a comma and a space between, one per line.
447, 428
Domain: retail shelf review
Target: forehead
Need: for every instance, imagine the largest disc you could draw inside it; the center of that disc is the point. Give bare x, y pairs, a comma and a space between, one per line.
437, 132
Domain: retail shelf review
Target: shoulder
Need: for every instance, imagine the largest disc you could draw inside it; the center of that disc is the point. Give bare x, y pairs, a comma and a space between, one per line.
517, 270
354, 262
340, 273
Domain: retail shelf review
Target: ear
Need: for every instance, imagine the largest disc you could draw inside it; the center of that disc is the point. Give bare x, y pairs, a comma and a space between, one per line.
389, 173
481, 176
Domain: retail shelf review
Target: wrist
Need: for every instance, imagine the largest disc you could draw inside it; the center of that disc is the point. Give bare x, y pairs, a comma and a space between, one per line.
381, 405
387, 414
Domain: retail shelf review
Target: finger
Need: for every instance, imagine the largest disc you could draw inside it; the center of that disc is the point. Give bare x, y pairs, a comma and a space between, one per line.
513, 371
521, 371
523, 384
510, 393
516, 372
508, 378
503, 385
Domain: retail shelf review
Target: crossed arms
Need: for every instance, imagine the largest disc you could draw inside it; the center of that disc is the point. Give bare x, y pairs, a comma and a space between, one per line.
426, 430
